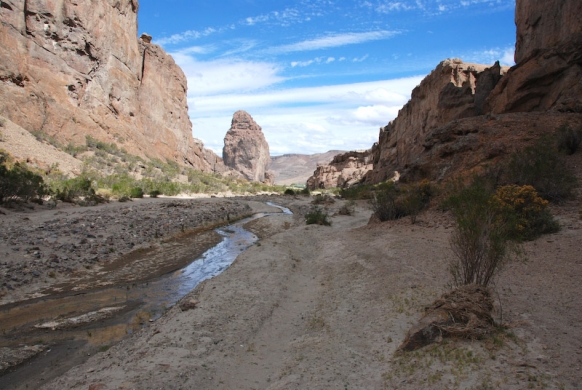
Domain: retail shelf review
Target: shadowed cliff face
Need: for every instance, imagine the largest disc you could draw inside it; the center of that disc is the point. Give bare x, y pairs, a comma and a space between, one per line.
75, 68
246, 150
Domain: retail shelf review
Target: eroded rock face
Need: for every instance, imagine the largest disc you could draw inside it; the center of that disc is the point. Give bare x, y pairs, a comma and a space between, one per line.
343, 171
246, 150
452, 91
442, 130
548, 74
75, 68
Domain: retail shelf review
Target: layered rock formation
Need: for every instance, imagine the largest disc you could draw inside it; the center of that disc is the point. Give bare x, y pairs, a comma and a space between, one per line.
75, 68
246, 150
464, 116
454, 90
343, 171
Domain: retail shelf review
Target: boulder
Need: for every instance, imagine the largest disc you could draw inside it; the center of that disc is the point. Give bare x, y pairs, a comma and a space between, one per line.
246, 150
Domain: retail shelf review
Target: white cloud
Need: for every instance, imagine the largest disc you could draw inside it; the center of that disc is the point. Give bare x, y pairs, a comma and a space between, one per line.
334, 41
185, 36
306, 120
489, 56
360, 59
225, 75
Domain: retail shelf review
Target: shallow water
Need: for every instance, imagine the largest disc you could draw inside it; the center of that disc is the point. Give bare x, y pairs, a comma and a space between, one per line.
137, 305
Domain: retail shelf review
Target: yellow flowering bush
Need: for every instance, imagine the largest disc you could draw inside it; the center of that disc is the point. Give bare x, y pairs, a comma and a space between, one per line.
524, 211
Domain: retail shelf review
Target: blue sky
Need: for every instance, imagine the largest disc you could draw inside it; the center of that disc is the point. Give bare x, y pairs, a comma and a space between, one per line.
320, 74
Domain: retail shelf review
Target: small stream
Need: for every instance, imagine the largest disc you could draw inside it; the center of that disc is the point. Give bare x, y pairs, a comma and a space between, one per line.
134, 307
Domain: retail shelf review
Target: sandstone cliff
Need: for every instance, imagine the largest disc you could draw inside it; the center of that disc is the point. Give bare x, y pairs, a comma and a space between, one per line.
343, 171
246, 150
75, 68
463, 116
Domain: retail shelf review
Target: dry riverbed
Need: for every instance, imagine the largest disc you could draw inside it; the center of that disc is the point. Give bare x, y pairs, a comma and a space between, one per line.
326, 307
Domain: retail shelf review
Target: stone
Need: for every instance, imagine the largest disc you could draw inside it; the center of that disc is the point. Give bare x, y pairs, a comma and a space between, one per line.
75, 68
450, 92
188, 304
343, 171
246, 150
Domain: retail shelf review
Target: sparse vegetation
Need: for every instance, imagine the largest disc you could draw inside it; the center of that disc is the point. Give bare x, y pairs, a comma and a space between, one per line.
18, 182
393, 201
525, 213
544, 168
348, 208
318, 217
480, 241
569, 139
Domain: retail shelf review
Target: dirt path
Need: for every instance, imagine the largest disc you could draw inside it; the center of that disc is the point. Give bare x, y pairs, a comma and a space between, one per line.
326, 307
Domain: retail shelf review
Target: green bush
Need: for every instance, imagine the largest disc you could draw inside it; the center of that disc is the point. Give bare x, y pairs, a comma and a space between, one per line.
386, 203
318, 217
18, 182
289, 191
569, 139
305, 191
136, 192
544, 168
479, 241
348, 208
78, 190
154, 193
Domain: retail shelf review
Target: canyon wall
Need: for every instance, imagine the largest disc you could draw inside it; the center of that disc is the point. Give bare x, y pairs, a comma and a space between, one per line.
465, 116
74, 68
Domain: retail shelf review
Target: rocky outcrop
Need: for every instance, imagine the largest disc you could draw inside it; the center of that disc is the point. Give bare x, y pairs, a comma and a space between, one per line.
76, 68
246, 150
452, 91
444, 130
548, 55
343, 171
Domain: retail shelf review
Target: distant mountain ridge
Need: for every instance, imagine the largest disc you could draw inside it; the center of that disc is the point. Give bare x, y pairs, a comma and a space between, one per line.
297, 168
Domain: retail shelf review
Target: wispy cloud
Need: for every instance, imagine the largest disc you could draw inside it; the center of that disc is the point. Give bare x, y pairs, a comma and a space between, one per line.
431, 6
335, 40
207, 78
318, 60
186, 36
489, 56
317, 118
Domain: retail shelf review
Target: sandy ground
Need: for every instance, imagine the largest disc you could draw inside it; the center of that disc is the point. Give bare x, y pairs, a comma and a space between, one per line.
316, 307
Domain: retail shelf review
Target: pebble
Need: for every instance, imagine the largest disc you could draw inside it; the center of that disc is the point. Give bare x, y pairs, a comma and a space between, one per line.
101, 234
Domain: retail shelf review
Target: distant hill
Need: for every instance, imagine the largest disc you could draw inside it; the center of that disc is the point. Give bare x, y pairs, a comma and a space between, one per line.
297, 168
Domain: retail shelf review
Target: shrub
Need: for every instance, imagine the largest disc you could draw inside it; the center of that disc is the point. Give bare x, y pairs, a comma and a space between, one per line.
347, 208
72, 189
542, 167
154, 193
18, 182
136, 192
479, 241
569, 139
323, 199
524, 213
305, 191
317, 216
386, 203
289, 191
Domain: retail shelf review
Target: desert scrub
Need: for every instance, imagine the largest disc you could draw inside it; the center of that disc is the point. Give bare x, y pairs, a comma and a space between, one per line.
393, 201
525, 214
317, 217
480, 241
543, 167
18, 182
136, 192
569, 139
348, 208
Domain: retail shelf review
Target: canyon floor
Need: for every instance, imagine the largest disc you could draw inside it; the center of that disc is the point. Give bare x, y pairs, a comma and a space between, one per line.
321, 307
